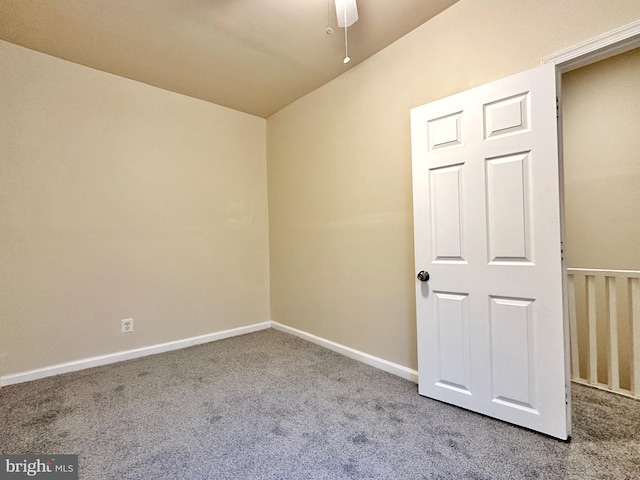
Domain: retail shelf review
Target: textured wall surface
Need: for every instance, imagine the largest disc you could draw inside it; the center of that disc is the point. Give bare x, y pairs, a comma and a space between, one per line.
601, 121
122, 200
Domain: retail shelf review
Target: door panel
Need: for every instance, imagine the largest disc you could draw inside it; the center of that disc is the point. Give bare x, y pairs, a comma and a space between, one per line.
507, 179
512, 352
444, 132
505, 116
452, 317
487, 228
446, 213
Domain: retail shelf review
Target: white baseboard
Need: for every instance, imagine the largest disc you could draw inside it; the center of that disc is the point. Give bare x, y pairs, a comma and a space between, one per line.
127, 355
379, 363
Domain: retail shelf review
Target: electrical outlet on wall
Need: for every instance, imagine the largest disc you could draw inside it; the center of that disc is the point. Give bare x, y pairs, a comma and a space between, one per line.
126, 325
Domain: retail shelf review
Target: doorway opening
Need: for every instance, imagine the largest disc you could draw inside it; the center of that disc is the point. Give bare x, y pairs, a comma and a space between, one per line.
600, 117
600, 171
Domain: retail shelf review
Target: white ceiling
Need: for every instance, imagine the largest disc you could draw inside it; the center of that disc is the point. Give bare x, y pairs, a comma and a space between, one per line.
256, 56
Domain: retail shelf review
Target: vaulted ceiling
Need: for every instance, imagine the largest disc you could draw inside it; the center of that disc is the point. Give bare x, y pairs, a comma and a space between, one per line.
256, 56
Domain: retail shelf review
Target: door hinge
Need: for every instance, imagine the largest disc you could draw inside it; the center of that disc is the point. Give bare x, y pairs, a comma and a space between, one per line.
557, 108
562, 251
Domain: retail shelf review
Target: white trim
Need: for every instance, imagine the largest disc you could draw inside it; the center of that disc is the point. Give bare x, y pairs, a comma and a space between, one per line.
74, 366
604, 273
379, 363
127, 355
598, 48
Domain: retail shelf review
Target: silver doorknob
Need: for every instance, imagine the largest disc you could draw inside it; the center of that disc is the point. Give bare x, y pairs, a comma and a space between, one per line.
423, 276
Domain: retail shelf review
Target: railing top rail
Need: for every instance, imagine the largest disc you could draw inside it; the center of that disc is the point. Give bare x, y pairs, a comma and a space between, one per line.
604, 273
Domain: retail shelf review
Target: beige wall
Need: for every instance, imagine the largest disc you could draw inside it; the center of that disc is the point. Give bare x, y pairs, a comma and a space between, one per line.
339, 164
122, 200
601, 130
601, 125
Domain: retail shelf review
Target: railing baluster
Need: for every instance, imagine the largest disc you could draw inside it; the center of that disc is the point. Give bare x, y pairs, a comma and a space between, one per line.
612, 308
634, 312
573, 330
631, 315
592, 372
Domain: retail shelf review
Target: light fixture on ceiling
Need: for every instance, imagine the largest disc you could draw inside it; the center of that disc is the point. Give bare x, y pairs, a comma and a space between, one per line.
328, 30
347, 15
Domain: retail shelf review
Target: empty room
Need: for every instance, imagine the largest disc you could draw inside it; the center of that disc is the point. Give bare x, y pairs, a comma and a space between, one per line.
319, 239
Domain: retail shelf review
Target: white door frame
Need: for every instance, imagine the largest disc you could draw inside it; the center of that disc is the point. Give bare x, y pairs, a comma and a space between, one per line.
598, 48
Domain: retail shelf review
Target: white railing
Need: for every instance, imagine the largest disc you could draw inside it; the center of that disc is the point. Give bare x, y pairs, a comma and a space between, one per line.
604, 316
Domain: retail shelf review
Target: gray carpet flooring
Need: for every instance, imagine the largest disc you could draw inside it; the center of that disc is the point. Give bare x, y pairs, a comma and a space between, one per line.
272, 406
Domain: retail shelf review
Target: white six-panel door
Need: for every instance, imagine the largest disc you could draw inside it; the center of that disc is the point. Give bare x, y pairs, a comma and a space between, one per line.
487, 230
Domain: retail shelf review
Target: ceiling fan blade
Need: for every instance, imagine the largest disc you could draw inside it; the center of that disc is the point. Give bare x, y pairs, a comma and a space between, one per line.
346, 12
